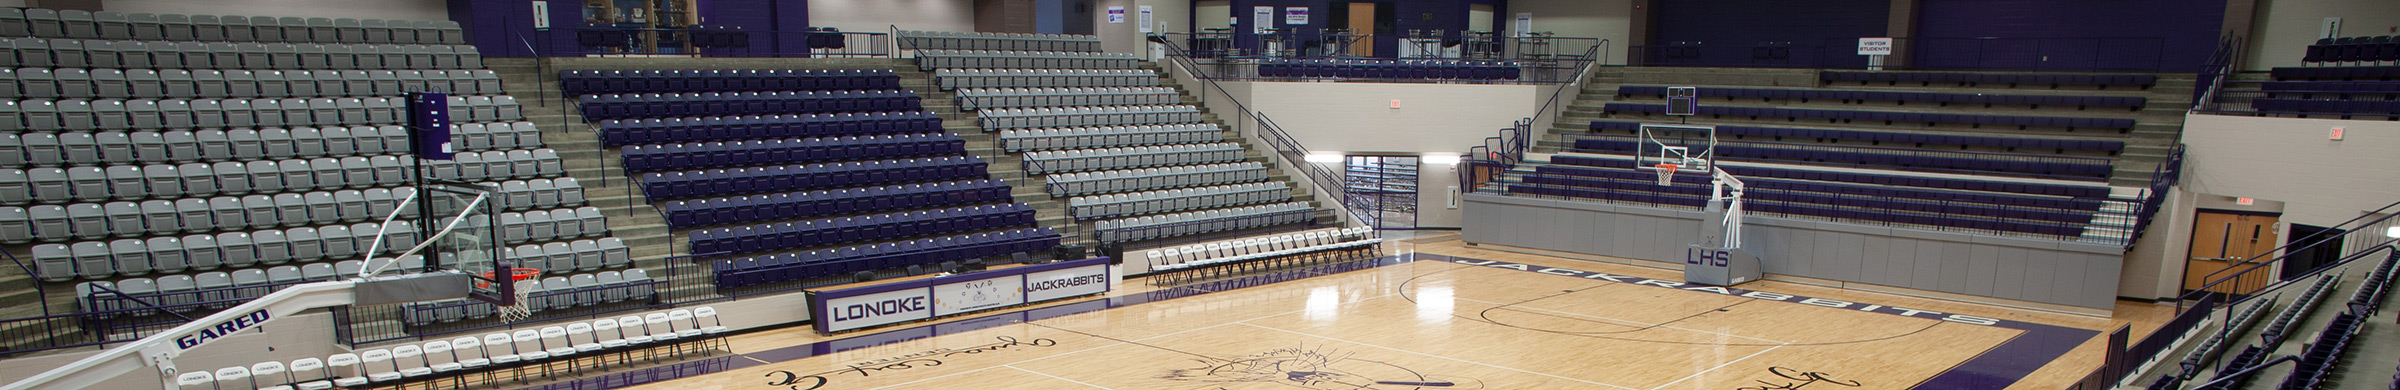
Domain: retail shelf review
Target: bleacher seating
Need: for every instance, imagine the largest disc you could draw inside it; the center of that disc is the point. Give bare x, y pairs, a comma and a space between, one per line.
1210, 254
2353, 50
1939, 98
983, 98
949, 79
2349, 73
1887, 117
1006, 59
805, 204
1020, 118
662, 186
846, 261
2103, 81
1388, 69
601, 82
2050, 210
1202, 222
1102, 182
1160, 201
515, 351
844, 230
697, 155
653, 105
1881, 137
1078, 160
195, 162
616, 132
1108, 136
1984, 163
2080, 191
946, 40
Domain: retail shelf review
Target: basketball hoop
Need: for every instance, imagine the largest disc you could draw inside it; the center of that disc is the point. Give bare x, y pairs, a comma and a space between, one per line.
1666, 173
516, 310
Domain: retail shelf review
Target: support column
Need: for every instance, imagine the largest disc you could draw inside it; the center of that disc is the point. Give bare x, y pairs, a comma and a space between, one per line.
1902, 27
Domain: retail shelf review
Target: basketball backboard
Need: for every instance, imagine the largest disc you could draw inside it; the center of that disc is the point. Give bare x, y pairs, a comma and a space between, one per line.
474, 246
1689, 148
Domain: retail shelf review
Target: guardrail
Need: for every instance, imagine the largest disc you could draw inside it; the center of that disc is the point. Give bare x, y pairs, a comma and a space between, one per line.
2239, 282
1985, 218
1542, 60
365, 325
710, 41
1921, 53
1287, 151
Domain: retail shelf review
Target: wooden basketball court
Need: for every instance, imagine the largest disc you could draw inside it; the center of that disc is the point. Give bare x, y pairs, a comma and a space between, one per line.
1435, 314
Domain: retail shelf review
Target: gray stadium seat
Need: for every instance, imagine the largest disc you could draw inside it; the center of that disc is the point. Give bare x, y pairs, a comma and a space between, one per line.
286, 274
165, 181
93, 260
90, 183
291, 210
55, 261
132, 256
351, 206
167, 254
276, 246
16, 225
235, 249
308, 245
15, 186
318, 272
178, 290
124, 218
161, 217
89, 221
252, 281
50, 185
216, 287
126, 182
232, 178
202, 252
195, 215
321, 207
340, 242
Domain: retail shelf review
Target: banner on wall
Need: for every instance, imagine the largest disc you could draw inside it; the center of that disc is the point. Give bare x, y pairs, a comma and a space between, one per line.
1263, 18
1145, 19
541, 15
1524, 23
1116, 15
1295, 16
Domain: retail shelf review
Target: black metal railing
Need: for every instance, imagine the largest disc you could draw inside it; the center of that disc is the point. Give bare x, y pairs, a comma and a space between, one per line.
2240, 282
1288, 151
711, 41
1543, 60
1977, 53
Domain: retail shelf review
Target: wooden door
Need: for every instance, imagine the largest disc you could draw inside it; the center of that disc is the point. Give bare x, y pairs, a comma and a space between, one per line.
1362, 22
2229, 240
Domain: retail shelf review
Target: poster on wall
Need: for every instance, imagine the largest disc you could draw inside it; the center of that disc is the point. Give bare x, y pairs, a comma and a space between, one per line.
1145, 19
1524, 23
1264, 17
1295, 16
541, 15
1116, 15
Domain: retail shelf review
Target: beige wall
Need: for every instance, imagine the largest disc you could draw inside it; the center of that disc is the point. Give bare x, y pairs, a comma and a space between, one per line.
1606, 19
2283, 29
382, 9
1357, 118
1127, 37
881, 15
2321, 182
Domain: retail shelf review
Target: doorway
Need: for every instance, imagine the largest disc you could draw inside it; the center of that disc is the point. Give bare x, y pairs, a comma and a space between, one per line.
1364, 20
2298, 261
1384, 188
2225, 242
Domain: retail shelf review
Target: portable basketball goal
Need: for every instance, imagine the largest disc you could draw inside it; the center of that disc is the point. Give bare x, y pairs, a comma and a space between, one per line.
1717, 257
461, 247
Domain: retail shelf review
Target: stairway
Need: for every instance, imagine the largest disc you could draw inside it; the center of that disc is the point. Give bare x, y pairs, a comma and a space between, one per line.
2368, 363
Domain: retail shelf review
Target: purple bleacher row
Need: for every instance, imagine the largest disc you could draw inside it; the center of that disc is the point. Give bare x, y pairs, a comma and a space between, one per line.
844, 230
2119, 124
2078, 191
2353, 49
844, 261
785, 178
1389, 69
697, 155
1695, 196
2103, 80
587, 82
653, 105
2135, 102
621, 132
2081, 168
1879, 136
817, 203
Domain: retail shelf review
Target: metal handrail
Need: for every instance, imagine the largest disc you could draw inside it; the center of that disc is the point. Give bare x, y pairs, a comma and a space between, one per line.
2240, 272
1518, 137
36, 277
2245, 373
1290, 151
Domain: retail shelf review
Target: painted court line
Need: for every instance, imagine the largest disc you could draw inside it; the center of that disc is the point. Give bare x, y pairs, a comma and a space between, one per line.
1629, 323
1055, 377
1435, 356
1719, 366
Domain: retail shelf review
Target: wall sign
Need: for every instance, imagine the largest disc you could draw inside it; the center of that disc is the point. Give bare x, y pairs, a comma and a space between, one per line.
1263, 17
1116, 14
541, 15
1145, 19
1295, 16
891, 303
2331, 29
1874, 46
1524, 23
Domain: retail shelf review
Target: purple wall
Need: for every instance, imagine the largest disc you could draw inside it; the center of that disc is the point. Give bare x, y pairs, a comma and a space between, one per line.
1728, 29
2067, 34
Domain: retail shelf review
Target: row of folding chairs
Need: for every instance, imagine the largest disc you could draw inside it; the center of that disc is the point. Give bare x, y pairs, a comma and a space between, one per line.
564, 257
136, 257
1018, 118
93, 53
110, 114
1203, 254
817, 203
48, 23
653, 105
621, 132
550, 293
853, 261
660, 186
243, 145
949, 40
92, 221
1180, 199
1201, 222
1077, 160
533, 348
586, 82
211, 290
982, 98
555, 292
997, 59
949, 79
1123, 180
112, 83
698, 155
1108, 136
135, 182
865, 228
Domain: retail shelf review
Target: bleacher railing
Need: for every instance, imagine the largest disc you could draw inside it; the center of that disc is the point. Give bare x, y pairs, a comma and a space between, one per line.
1920, 53
1288, 152
1987, 218
2221, 65
366, 325
2240, 282
1538, 60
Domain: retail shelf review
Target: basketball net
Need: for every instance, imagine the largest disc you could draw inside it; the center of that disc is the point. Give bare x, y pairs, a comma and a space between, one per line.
1666, 173
517, 310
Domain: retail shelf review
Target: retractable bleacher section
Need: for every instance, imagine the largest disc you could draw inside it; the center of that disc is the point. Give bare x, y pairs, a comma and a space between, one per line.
196, 161
2030, 155
811, 176
484, 358
2347, 78
1122, 152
